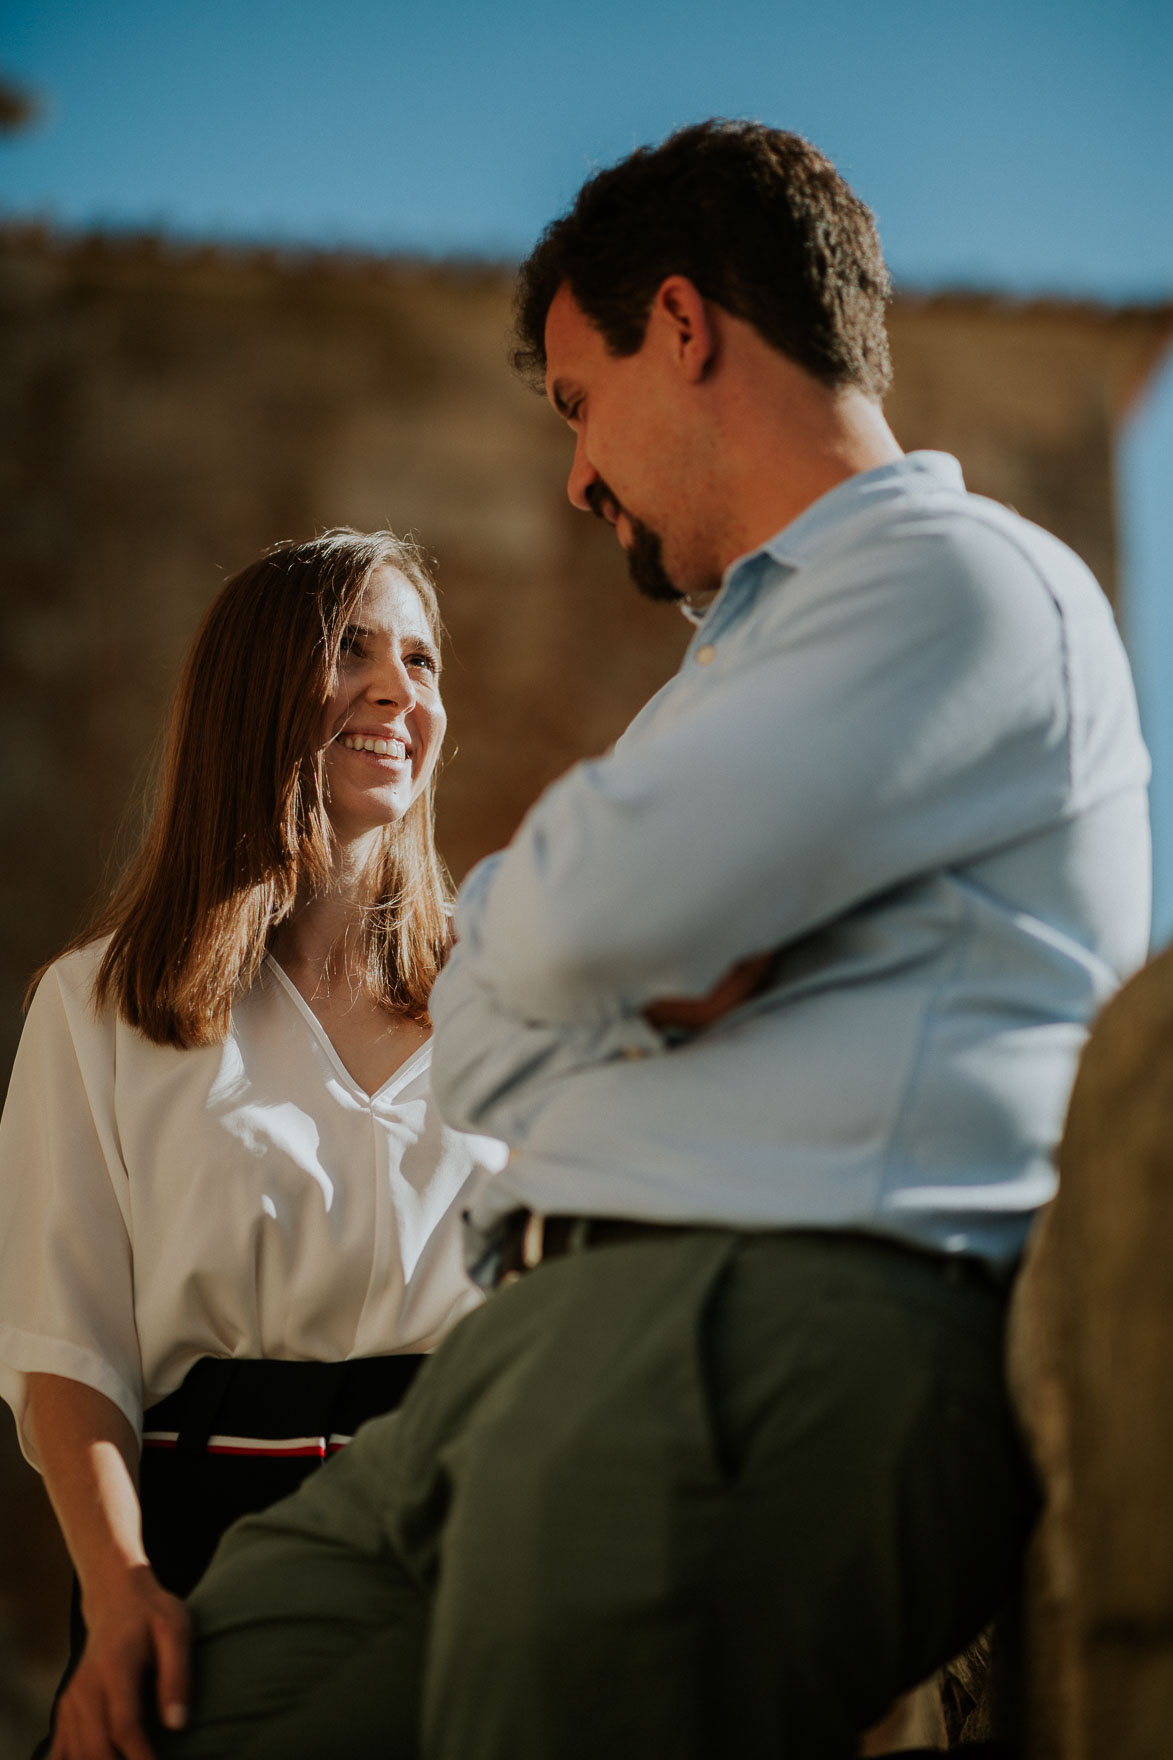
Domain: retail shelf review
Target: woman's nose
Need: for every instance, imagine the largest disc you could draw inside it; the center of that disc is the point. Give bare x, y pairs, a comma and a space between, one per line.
394, 684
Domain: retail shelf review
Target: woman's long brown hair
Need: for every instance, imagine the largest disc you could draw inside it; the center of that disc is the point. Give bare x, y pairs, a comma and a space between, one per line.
241, 826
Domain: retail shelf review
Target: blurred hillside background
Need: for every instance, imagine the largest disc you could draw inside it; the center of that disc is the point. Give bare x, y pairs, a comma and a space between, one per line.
254, 280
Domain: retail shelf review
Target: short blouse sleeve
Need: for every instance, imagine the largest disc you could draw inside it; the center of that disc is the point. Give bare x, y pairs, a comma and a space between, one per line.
66, 1264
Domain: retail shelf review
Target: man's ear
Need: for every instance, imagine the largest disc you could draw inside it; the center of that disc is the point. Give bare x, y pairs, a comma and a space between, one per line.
684, 323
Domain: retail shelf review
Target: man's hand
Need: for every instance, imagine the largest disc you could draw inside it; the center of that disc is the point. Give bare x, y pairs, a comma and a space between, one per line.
737, 986
140, 1632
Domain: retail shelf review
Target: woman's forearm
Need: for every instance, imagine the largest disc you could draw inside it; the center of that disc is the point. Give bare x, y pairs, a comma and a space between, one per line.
89, 1458
88, 1455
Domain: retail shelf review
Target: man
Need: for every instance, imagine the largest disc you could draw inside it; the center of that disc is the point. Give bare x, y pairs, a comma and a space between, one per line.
778, 1004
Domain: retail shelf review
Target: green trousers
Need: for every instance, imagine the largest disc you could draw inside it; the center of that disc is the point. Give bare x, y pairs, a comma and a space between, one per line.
701, 1497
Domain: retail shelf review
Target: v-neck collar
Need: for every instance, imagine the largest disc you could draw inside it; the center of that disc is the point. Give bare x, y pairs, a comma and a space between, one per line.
411, 1066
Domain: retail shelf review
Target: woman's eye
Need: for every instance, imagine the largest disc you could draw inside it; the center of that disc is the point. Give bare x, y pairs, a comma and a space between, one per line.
428, 661
350, 647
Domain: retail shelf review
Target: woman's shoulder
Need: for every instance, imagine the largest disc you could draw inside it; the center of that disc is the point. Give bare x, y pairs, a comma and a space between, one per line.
64, 1037
77, 967
67, 982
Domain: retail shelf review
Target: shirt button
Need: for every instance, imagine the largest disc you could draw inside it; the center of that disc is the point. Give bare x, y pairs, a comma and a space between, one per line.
705, 654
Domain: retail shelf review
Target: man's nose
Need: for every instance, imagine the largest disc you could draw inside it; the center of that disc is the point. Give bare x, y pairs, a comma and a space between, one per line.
582, 475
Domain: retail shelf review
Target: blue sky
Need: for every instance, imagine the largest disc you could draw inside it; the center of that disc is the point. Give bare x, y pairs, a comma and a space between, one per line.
1019, 145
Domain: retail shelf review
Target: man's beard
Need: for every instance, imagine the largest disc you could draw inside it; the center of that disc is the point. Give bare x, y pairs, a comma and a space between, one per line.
645, 564
645, 553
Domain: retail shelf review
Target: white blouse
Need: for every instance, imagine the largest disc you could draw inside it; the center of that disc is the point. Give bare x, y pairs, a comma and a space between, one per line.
247, 1199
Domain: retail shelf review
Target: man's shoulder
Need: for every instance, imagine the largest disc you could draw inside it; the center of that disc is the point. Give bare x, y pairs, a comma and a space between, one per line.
941, 584
992, 527
944, 537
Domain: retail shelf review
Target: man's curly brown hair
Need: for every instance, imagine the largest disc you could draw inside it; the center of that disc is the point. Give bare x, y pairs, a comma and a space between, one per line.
757, 219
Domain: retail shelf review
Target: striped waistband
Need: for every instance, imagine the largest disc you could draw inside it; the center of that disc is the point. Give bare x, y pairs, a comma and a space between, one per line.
286, 1448
275, 1409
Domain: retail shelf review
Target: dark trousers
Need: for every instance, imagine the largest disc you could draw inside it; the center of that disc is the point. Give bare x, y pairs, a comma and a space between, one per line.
673, 1499
191, 1494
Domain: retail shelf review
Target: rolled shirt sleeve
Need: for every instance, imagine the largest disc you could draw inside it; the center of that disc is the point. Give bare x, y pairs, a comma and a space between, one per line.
66, 1271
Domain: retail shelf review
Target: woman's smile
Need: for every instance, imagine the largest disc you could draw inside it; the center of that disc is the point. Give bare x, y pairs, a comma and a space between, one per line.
388, 670
377, 745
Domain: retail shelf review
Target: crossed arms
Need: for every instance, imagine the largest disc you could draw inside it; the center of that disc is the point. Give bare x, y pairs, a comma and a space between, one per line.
897, 720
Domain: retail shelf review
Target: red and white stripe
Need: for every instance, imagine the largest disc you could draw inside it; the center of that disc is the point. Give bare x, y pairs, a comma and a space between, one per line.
285, 1448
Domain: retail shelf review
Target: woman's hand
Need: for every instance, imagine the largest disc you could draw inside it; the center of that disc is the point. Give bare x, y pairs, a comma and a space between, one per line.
136, 1631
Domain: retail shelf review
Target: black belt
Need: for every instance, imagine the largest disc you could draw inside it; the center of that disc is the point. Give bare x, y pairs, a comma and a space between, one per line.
525, 1239
243, 1406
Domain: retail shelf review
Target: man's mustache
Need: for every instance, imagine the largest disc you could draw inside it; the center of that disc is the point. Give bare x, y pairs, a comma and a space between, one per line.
599, 498
644, 552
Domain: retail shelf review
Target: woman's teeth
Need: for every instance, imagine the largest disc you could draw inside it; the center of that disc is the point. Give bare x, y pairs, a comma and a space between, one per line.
386, 748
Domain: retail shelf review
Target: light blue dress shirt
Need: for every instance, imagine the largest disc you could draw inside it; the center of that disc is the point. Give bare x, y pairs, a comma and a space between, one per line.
903, 751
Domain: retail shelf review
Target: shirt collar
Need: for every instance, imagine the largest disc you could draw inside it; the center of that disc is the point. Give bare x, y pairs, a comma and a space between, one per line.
801, 540
804, 537
694, 605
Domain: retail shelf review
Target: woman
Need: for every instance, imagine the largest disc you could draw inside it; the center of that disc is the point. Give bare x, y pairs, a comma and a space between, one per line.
228, 1211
